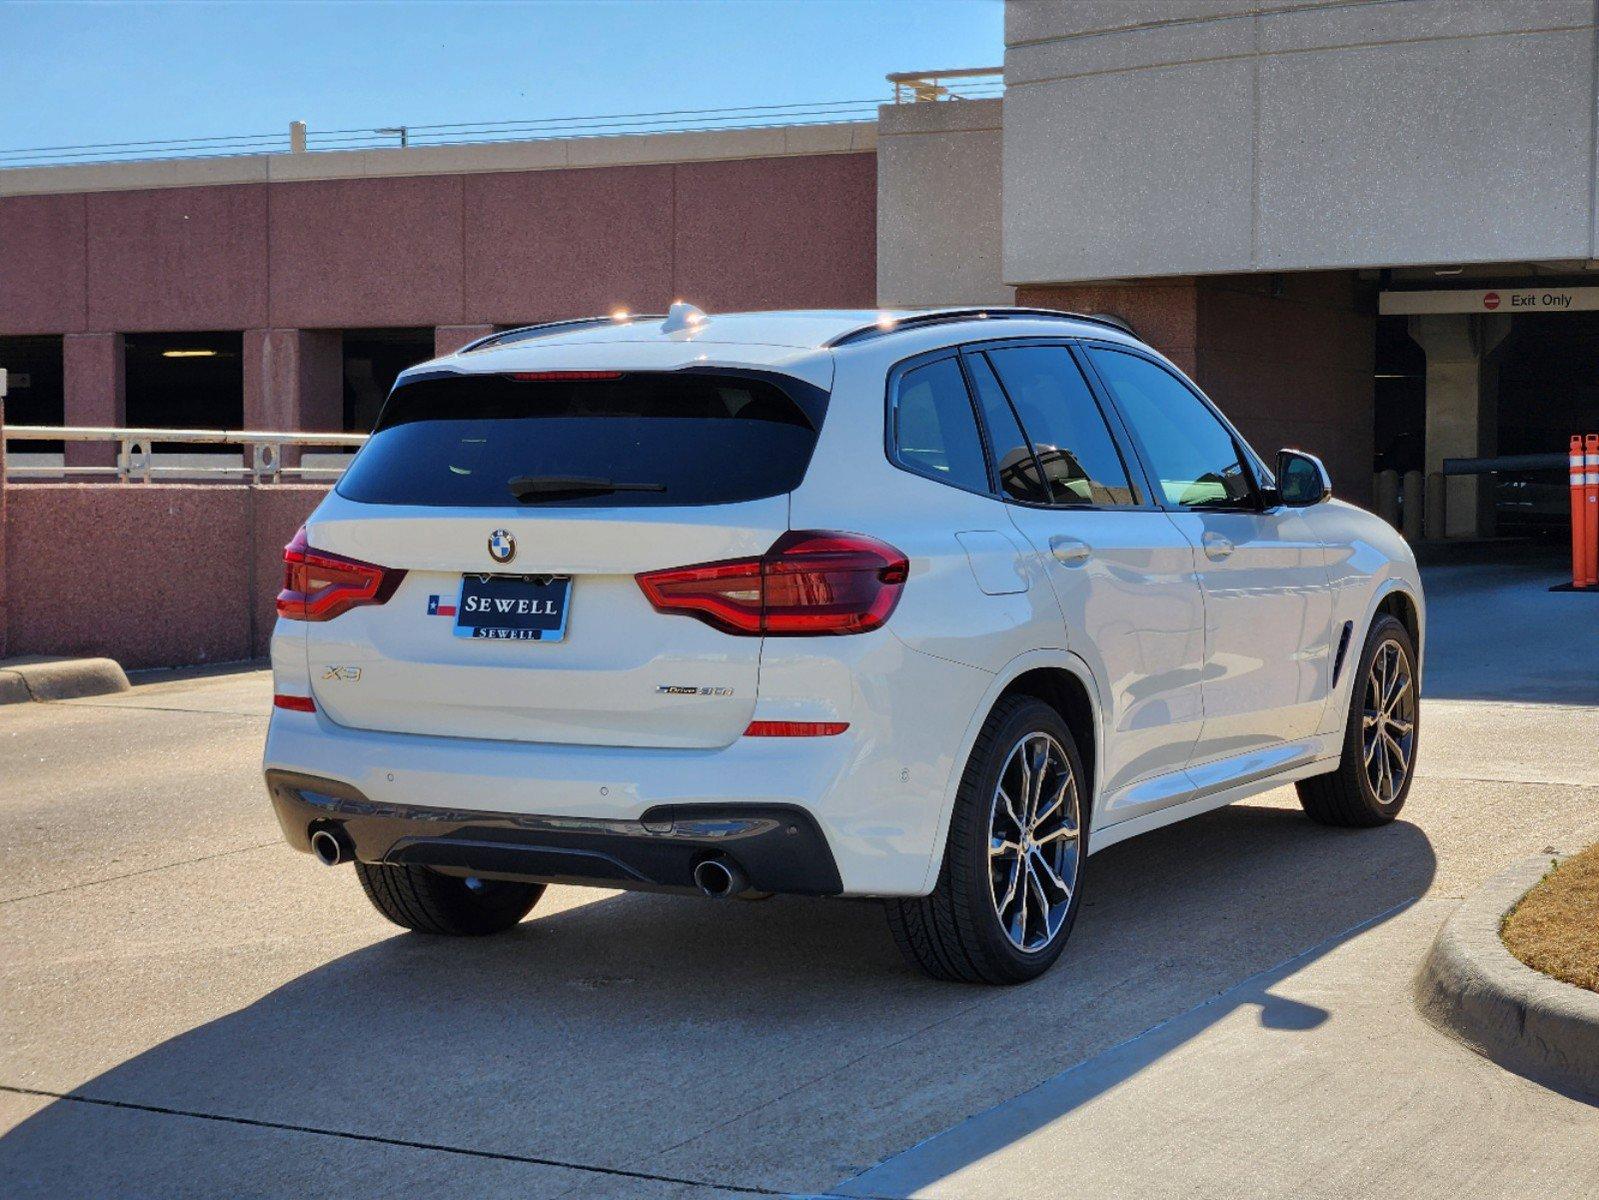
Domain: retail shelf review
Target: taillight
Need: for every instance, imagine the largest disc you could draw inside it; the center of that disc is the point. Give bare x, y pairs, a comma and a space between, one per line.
318, 586
808, 583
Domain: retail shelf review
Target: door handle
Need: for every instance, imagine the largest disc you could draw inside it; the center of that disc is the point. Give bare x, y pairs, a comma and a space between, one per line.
1217, 547
1073, 552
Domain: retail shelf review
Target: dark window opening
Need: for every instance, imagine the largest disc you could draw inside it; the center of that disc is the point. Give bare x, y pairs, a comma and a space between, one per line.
373, 358
185, 381
37, 391
1548, 389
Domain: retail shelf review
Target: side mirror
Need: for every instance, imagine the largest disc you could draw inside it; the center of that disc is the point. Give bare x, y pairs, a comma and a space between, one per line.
1302, 480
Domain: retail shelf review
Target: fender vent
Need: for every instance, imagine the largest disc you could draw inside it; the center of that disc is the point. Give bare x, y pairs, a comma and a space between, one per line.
1343, 649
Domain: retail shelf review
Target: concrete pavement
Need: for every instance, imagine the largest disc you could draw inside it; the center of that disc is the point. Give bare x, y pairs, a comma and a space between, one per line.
1232, 1017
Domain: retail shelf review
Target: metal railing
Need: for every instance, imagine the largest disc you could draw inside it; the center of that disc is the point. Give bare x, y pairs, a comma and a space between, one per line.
297, 139
978, 83
138, 462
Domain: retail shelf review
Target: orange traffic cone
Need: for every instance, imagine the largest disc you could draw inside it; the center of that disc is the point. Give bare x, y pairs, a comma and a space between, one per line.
1591, 508
1579, 510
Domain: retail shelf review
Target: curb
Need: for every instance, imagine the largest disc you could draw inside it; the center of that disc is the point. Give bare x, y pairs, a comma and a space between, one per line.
1472, 988
24, 679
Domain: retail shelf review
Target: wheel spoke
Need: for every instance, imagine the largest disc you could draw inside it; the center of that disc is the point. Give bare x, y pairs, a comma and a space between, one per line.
1061, 834
1010, 809
1060, 798
1036, 798
1024, 816
1025, 881
1401, 758
1037, 888
1010, 889
1041, 864
1003, 848
1399, 687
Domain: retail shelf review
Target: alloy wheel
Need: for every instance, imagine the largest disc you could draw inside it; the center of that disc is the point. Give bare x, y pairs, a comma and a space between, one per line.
1035, 841
1388, 727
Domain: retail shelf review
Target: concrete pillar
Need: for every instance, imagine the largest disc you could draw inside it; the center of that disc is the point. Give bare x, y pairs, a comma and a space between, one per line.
1462, 410
1414, 492
447, 339
294, 382
95, 392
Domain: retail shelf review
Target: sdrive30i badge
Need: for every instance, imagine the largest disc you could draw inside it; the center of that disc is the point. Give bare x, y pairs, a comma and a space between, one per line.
677, 689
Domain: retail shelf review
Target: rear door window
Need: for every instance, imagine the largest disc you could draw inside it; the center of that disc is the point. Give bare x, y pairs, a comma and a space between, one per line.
637, 439
1074, 446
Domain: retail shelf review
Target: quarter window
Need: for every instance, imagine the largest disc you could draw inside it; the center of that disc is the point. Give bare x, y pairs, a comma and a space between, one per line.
1073, 445
1195, 458
935, 431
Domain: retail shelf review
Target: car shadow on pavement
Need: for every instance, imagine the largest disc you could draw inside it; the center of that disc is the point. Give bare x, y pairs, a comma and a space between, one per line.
779, 1044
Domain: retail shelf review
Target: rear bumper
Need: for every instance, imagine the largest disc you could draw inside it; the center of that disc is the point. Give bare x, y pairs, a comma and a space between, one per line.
877, 793
780, 848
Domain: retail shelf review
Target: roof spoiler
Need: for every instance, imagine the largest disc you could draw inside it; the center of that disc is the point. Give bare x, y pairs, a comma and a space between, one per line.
523, 333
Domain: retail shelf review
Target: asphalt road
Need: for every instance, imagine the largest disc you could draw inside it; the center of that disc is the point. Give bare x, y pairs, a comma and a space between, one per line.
190, 1008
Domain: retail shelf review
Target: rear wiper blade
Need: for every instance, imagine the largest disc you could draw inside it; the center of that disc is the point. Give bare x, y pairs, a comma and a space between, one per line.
532, 488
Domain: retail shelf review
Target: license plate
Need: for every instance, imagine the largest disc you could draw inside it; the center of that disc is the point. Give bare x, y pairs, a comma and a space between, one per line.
514, 608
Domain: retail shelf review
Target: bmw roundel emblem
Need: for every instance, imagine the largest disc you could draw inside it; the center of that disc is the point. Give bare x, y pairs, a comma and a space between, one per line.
502, 546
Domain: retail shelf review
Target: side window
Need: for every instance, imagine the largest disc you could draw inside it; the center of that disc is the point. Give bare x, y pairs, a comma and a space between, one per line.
935, 431
1074, 447
1013, 456
1194, 457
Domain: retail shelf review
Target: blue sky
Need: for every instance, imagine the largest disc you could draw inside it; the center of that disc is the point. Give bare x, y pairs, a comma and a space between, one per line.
84, 72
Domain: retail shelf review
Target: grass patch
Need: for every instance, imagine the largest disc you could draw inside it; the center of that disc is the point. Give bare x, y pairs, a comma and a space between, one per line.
1555, 928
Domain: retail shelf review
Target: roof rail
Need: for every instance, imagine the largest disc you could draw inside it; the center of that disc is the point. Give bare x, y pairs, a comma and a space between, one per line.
523, 333
939, 316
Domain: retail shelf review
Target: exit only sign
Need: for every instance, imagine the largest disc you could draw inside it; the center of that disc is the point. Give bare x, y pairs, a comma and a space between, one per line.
1487, 300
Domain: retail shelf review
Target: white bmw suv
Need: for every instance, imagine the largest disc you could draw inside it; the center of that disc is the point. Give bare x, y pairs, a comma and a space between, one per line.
924, 606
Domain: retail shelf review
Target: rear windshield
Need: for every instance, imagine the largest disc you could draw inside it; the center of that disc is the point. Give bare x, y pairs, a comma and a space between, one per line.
662, 439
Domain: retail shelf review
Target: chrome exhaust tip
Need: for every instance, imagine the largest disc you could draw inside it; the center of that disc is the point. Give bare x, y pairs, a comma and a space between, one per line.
718, 878
331, 847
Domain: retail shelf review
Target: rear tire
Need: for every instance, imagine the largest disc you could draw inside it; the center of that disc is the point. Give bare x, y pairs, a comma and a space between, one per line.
999, 836
429, 902
1369, 789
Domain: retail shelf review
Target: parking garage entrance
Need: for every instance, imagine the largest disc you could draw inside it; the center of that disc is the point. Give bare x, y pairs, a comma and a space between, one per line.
1506, 373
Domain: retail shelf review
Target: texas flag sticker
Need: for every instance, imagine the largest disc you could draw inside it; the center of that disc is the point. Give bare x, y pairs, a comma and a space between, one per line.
436, 607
